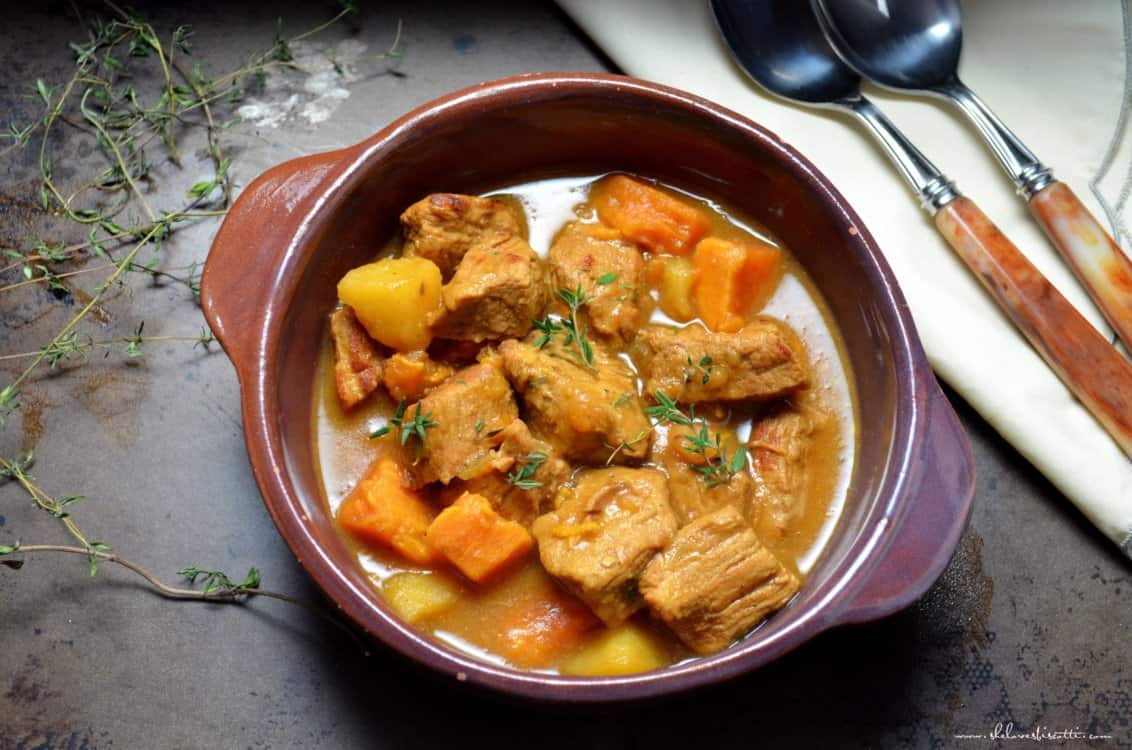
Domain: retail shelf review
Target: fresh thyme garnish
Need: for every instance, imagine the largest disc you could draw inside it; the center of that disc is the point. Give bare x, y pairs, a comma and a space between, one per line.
418, 425
528, 465
549, 327
622, 400
666, 410
704, 366
479, 425
626, 445
717, 468
574, 333
607, 278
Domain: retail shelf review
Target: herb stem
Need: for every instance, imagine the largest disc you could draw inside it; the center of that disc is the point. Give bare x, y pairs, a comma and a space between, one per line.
236, 595
93, 120
82, 313
113, 342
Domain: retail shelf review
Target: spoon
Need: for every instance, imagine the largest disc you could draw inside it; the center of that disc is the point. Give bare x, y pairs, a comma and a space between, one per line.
781, 45
915, 45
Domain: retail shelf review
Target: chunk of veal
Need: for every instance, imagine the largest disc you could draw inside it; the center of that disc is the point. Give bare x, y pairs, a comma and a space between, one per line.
689, 494
498, 288
454, 447
609, 270
357, 364
715, 581
762, 360
444, 226
524, 476
606, 529
779, 442
587, 414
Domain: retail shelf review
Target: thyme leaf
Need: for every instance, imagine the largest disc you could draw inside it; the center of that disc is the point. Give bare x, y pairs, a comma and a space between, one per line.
528, 465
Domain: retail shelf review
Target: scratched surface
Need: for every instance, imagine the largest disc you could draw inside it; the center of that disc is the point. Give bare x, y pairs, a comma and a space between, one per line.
1029, 624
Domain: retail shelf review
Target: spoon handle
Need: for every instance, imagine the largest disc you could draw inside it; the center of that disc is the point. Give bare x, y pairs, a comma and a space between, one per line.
1094, 370
1098, 261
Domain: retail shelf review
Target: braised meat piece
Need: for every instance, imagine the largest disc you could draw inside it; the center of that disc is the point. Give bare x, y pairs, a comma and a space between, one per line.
469, 409
444, 226
587, 414
606, 529
357, 364
762, 360
715, 582
611, 273
690, 494
780, 439
523, 477
498, 288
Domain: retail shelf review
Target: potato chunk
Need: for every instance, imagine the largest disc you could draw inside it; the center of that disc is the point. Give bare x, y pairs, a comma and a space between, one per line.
394, 299
627, 649
419, 596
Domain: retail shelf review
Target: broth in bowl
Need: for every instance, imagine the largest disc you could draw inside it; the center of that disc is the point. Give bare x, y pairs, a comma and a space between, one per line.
588, 425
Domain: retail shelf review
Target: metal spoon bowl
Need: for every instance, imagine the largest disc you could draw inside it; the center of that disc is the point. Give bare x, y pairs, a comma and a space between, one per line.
915, 45
780, 44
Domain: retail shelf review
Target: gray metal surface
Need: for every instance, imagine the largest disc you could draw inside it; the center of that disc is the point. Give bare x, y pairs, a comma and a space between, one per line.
1029, 624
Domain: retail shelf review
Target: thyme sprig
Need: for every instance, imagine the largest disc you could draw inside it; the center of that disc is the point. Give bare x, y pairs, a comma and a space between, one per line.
417, 426
703, 366
81, 345
717, 467
218, 587
626, 445
133, 126
216, 582
574, 334
528, 465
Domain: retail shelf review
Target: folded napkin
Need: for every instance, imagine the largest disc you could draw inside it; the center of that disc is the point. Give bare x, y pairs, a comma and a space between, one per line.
1055, 72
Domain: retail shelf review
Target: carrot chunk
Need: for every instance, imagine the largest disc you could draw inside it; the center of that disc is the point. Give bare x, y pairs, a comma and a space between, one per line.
409, 376
383, 510
648, 216
730, 278
477, 540
544, 626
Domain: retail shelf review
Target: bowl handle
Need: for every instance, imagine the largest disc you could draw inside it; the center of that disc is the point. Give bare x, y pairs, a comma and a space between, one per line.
253, 239
940, 490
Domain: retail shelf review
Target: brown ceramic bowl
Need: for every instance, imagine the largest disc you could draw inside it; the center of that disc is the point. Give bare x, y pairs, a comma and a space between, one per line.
270, 282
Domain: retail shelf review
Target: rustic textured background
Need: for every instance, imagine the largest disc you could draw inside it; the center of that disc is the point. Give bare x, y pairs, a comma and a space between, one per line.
1029, 624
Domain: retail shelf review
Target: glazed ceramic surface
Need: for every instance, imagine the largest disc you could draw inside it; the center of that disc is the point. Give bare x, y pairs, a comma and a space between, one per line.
270, 282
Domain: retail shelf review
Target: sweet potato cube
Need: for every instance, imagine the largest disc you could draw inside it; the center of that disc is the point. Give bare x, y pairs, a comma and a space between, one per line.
730, 278
653, 219
383, 510
544, 625
477, 540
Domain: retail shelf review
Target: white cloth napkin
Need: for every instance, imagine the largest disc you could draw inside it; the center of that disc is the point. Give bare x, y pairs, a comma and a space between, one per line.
1055, 73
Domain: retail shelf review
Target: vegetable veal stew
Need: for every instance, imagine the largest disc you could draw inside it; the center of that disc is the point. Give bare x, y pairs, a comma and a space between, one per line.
589, 425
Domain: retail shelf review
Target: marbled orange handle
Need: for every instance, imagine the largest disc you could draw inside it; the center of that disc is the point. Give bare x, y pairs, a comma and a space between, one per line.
1088, 364
1099, 262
